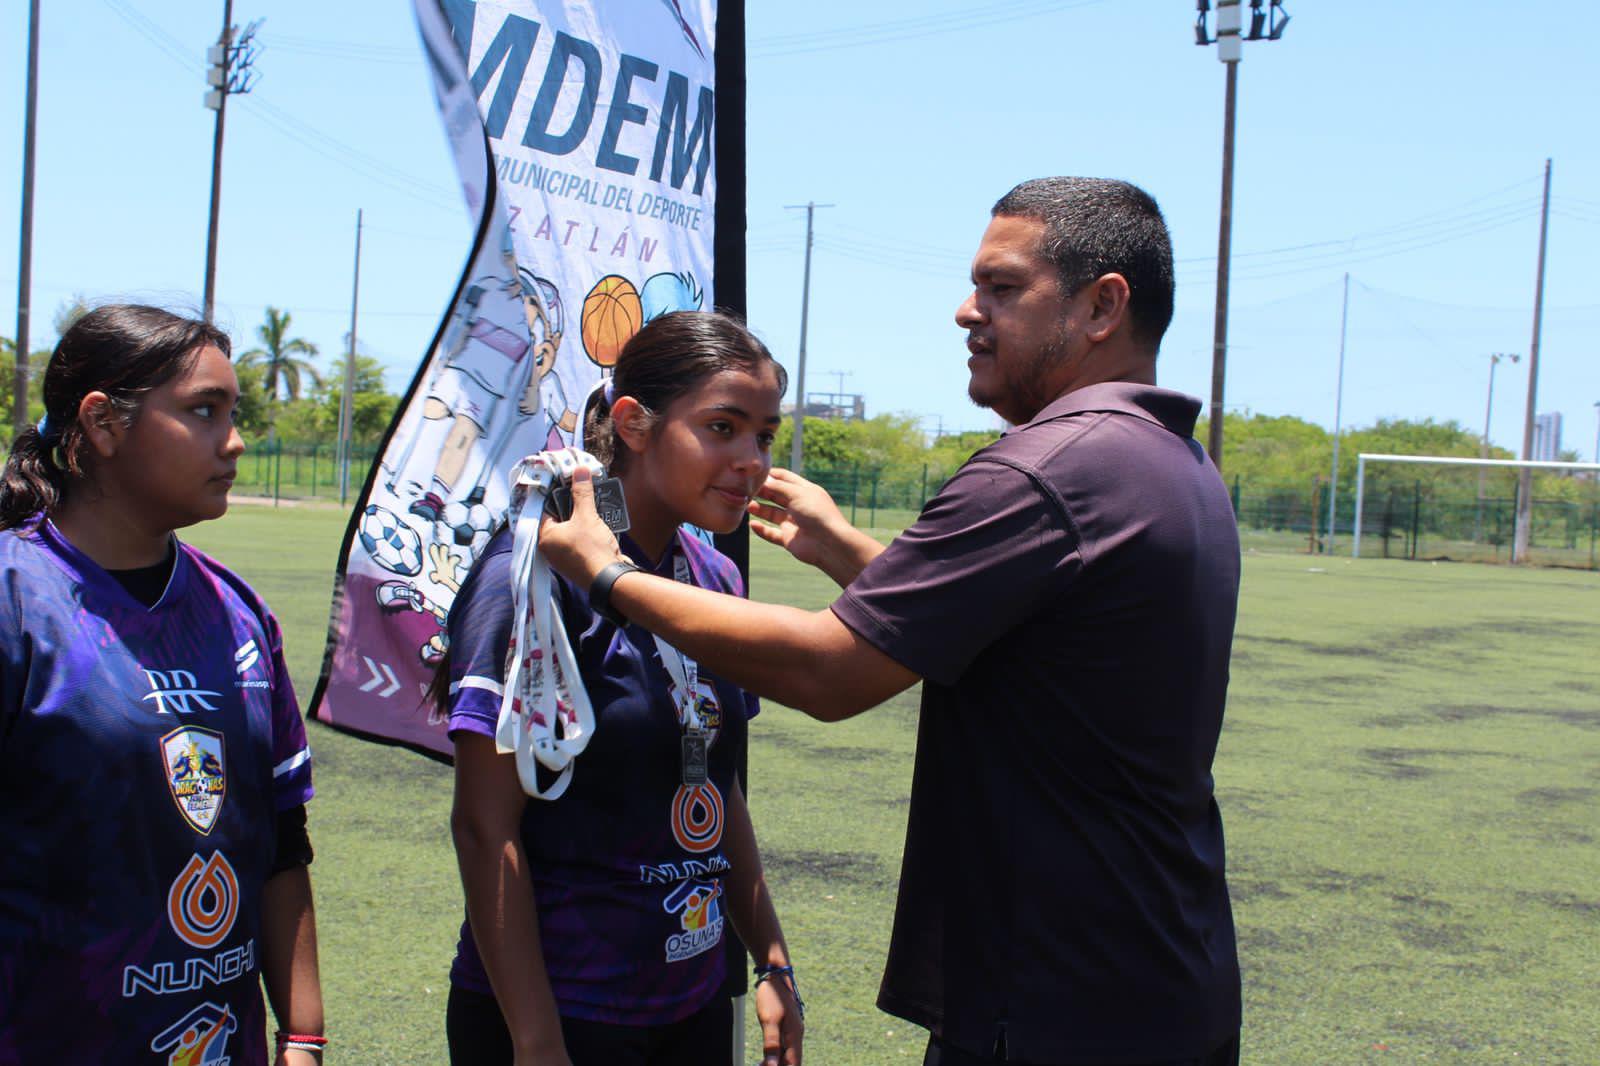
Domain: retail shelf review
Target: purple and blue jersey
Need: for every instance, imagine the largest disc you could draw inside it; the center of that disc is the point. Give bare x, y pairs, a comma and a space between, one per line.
627, 866
145, 753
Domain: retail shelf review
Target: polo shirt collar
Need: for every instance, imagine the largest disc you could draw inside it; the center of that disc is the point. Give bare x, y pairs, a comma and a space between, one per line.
1172, 411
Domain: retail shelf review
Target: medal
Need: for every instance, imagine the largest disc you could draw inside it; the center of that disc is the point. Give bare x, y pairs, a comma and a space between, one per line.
696, 763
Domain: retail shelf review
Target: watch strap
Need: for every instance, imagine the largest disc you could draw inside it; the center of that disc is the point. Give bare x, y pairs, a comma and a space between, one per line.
600, 591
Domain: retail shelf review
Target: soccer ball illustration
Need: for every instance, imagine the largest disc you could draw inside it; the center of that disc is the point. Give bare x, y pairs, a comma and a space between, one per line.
391, 543
466, 525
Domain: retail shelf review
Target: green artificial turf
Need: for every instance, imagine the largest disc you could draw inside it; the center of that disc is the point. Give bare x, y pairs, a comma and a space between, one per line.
1409, 776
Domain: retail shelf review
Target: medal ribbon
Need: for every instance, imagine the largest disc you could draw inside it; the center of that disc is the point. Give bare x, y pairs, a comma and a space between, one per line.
683, 671
546, 718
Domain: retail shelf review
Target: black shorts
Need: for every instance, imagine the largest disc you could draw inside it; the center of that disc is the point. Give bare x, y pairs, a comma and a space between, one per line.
940, 1055
477, 1035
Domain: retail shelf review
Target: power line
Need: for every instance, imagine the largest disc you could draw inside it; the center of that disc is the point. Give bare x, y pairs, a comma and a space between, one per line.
914, 28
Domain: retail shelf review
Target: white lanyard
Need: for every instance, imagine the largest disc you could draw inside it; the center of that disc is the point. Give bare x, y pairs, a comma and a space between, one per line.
683, 671
543, 687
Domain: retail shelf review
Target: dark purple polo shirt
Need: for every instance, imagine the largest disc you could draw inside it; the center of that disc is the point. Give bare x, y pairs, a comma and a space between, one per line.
1068, 599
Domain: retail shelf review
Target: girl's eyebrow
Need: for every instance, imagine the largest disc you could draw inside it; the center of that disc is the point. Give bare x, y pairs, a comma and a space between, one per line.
734, 409
211, 392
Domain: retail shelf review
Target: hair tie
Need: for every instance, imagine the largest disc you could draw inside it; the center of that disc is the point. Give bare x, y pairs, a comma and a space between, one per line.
44, 427
610, 392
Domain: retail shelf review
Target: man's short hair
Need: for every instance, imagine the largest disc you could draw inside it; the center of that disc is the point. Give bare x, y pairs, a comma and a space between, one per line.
1095, 226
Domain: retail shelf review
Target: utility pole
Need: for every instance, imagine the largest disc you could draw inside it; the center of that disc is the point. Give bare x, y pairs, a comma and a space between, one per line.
1266, 25
230, 74
1524, 531
1483, 447
796, 460
19, 395
1338, 418
347, 398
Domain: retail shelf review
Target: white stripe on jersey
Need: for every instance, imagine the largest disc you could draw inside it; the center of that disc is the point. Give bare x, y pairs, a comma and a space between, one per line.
298, 759
488, 684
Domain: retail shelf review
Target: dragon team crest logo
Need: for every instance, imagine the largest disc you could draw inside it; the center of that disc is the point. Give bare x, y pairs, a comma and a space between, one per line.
196, 771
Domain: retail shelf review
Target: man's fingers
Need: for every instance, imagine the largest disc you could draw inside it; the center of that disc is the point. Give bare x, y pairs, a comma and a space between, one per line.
779, 490
767, 512
770, 534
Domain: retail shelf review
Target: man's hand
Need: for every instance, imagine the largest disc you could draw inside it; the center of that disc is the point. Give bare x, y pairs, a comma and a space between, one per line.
782, 1030
583, 545
801, 518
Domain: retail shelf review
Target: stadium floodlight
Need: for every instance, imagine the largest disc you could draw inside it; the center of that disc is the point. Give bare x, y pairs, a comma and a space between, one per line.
1442, 460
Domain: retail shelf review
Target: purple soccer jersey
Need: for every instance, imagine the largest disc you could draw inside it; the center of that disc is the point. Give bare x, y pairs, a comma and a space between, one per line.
627, 865
144, 755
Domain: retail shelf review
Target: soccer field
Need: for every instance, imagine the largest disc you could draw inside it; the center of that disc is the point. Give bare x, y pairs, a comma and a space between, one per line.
1409, 776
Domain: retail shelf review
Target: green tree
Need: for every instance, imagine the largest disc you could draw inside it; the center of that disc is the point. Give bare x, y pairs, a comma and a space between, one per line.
372, 408
285, 359
8, 370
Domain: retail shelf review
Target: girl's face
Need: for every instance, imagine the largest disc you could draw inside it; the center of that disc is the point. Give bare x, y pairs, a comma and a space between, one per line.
177, 461
710, 451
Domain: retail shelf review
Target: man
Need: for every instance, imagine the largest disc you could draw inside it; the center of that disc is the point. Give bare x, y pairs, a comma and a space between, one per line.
1068, 600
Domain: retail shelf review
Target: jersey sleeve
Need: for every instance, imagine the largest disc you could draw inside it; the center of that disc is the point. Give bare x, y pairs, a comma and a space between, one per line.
989, 550
291, 754
479, 627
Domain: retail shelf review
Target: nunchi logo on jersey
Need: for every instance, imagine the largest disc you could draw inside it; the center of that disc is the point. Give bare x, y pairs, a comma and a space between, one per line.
204, 901
177, 691
699, 909
196, 773
199, 1038
697, 817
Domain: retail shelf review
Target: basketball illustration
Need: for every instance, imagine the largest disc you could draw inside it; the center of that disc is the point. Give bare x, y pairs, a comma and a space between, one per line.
612, 314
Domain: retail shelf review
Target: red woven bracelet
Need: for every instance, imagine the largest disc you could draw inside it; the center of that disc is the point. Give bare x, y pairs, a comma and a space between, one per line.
301, 1041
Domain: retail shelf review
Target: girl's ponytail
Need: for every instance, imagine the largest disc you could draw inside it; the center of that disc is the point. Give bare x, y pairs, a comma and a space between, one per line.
32, 481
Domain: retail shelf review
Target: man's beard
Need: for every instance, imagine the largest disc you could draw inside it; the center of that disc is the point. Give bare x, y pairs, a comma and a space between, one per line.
1021, 389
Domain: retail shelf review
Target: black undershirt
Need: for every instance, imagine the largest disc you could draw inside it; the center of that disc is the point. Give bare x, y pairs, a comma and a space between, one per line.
146, 584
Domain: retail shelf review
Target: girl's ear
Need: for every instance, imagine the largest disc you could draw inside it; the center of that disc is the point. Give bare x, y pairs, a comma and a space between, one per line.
101, 428
631, 423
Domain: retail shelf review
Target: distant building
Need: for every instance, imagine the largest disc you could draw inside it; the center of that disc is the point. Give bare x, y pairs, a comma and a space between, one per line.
1547, 438
835, 406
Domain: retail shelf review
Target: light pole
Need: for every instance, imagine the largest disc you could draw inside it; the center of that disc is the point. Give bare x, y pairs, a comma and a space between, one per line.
1338, 419
1483, 445
19, 391
229, 75
797, 445
1265, 24
1523, 534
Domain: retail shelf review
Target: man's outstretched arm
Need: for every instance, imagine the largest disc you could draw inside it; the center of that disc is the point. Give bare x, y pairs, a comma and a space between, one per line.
808, 660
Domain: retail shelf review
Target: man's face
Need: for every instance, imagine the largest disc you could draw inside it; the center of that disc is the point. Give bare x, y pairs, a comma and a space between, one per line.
1021, 330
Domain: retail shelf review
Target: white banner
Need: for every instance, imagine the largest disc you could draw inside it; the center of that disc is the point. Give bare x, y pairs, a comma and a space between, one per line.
582, 132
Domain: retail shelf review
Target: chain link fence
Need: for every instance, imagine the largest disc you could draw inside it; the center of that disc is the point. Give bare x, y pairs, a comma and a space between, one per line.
1419, 520
295, 470
1427, 519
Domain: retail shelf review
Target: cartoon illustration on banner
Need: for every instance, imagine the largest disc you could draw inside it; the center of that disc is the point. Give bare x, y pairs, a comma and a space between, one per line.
590, 221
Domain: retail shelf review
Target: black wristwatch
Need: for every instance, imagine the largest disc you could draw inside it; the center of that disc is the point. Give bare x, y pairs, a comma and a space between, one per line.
600, 591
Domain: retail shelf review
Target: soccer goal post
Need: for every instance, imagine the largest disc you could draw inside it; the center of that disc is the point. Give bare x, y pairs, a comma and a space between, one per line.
1440, 460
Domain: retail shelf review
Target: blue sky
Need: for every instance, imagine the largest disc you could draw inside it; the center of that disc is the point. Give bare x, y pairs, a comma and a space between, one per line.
1403, 142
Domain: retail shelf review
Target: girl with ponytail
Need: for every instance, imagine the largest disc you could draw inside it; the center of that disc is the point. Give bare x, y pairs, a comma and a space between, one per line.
153, 763
595, 919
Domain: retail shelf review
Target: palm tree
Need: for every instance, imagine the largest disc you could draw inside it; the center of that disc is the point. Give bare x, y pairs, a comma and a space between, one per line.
283, 360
